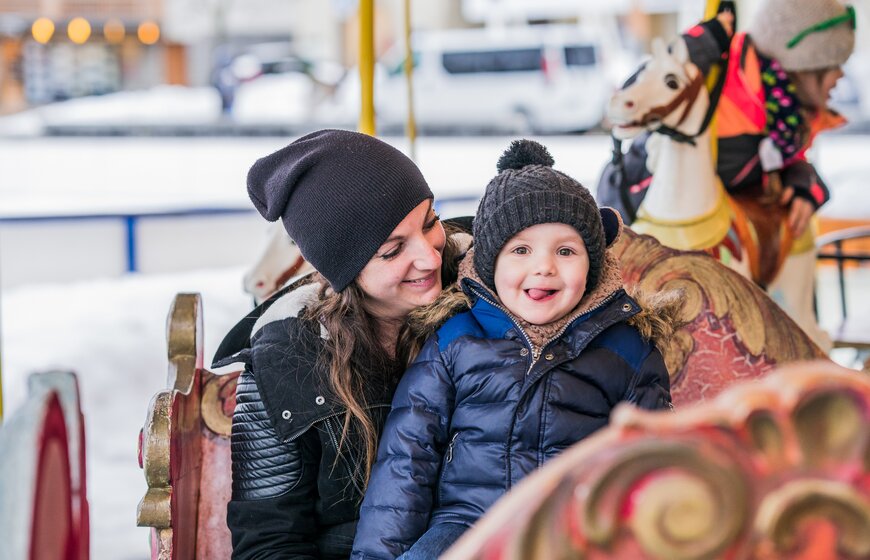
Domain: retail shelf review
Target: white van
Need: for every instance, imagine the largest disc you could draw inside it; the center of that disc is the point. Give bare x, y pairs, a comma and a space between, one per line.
546, 78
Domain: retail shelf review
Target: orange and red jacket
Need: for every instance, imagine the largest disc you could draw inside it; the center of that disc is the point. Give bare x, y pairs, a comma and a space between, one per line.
742, 124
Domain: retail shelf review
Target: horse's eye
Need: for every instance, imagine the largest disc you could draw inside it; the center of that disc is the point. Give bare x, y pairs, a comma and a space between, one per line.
671, 81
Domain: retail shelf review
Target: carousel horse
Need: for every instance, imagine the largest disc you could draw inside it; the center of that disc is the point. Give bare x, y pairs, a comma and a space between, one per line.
686, 206
280, 261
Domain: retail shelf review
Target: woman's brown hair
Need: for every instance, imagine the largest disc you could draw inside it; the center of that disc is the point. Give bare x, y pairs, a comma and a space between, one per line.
353, 354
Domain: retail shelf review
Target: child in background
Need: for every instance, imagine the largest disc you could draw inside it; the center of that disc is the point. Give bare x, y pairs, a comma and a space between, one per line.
538, 362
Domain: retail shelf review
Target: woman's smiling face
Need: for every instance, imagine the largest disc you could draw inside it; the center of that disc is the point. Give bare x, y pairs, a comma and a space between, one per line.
405, 273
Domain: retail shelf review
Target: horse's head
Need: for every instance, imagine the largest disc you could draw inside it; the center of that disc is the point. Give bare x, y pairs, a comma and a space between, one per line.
662, 93
280, 261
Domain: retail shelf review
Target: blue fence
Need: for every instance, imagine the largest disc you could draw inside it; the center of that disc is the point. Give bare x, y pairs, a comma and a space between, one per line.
131, 220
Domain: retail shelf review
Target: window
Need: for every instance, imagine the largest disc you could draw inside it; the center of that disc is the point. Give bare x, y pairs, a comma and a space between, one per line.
580, 55
516, 60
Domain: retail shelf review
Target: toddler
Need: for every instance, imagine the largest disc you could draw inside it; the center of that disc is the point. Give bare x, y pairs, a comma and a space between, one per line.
536, 364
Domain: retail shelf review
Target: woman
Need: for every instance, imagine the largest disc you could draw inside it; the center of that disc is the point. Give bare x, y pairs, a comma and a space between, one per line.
774, 102
324, 358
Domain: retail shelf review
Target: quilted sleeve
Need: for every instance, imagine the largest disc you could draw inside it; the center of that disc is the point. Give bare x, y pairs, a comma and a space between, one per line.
651, 386
271, 513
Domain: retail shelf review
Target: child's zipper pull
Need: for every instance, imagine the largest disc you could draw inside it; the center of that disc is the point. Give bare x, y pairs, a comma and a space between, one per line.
450, 447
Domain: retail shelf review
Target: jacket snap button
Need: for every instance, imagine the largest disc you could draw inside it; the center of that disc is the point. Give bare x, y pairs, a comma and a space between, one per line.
626, 307
286, 415
320, 400
549, 357
524, 352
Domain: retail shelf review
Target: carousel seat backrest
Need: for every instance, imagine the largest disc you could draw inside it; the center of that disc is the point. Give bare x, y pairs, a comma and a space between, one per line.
730, 331
772, 468
185, 448
44, 511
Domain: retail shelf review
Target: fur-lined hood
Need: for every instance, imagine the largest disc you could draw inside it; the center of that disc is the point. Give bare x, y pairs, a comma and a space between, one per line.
658, 320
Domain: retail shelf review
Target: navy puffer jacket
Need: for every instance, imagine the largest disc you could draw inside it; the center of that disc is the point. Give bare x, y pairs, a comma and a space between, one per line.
480, 409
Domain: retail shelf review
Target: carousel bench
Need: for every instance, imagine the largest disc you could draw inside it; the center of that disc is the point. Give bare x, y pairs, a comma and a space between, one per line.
731, 331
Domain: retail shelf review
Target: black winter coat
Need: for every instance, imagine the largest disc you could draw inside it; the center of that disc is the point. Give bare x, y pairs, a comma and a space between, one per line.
293, 495
480, 409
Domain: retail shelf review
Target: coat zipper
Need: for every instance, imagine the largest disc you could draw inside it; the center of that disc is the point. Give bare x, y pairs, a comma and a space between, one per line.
564, 328
332, 435
536, 353
450, 447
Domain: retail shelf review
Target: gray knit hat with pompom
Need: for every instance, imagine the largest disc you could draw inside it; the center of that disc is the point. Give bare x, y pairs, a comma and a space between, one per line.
527, 191
804, 34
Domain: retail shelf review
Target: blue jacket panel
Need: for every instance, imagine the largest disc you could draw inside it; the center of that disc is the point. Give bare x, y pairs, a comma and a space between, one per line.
477, 412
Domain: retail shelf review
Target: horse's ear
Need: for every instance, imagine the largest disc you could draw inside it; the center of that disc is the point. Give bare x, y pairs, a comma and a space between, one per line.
680, 51
659, 50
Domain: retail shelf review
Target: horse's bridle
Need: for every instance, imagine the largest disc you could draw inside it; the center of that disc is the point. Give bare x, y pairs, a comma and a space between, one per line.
290, 272
688, 96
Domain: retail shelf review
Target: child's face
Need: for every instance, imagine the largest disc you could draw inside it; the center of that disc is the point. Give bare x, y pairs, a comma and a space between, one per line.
540, 273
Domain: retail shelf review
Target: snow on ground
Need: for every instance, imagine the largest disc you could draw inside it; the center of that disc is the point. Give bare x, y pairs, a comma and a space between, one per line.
159, 105
112, 334
49, 176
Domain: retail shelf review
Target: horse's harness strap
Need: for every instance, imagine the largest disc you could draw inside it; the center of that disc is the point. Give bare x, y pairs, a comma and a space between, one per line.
688, 96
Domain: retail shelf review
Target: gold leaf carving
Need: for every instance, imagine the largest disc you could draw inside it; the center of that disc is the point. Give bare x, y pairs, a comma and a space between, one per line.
781, 512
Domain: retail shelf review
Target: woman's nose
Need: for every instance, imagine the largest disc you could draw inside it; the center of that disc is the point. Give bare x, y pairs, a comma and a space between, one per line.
428, 256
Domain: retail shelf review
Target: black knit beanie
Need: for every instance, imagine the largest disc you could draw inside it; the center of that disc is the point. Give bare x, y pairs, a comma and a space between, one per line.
340, 195
527, 191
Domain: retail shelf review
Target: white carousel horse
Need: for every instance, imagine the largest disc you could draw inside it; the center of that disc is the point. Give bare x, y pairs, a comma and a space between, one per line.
686, 206
279, 262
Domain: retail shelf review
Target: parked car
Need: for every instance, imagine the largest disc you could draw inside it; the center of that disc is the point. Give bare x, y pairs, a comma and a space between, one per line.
546, 79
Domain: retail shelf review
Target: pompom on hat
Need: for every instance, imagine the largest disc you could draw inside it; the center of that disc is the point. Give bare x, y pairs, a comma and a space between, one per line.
340, 195
527, 191
804, 35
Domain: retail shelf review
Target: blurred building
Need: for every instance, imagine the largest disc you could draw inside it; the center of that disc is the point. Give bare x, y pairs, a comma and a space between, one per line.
56, 49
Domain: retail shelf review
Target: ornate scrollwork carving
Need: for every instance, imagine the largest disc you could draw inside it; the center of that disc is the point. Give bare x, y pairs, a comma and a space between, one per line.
732, 330
218, 402
775, 468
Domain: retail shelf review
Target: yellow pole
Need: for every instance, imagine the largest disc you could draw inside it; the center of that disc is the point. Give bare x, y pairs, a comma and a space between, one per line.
1, 367
710, 11
367, 66
411, 128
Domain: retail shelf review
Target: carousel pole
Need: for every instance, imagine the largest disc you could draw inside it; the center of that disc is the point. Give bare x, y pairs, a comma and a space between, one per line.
1, 358
411, 127
710, 11
367, 66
